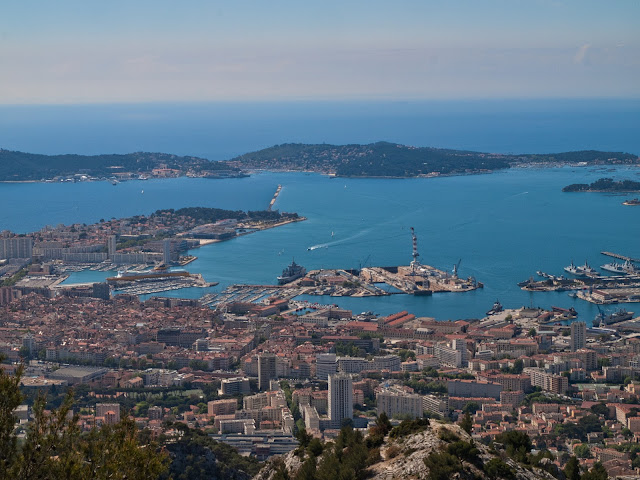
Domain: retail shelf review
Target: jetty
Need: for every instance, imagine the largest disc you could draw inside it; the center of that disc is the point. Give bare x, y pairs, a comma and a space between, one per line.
275, 197
620, 257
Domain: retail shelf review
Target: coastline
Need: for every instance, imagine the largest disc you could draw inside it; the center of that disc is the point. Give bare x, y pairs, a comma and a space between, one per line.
248, 171
210, 241
603, 191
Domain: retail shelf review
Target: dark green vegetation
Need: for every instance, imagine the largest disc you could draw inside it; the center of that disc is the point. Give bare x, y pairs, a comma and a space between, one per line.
20, 166
195, 456
204, 215
15, 278
348, 457
604, 185
385, 159
381, 159
54, 447
579, 430
409, 427
442, 465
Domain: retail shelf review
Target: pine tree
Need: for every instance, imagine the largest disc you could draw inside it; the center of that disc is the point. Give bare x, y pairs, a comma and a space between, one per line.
572, 469
55, 448
466, 423
598, 472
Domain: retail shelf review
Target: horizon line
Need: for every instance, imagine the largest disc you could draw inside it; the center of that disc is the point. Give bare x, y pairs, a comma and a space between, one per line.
319, 100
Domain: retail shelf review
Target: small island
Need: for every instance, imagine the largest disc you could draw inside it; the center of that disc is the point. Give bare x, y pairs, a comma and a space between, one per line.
604, 185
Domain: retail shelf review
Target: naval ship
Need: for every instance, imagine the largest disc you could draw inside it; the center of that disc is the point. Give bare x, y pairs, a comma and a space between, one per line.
626, 268
582, 271
291, 273
621, 315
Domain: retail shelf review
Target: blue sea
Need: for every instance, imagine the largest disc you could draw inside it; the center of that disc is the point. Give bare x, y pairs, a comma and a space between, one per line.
219, 131
502, 226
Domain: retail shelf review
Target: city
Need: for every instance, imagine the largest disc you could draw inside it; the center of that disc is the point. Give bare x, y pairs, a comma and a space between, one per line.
253, 375
320, 240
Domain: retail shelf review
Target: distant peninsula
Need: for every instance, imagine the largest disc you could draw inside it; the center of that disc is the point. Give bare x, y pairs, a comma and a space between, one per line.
381, 159
24, 167
604, 185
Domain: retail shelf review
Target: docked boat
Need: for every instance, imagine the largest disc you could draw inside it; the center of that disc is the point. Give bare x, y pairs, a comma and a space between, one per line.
580, 271
527, 282
620, 315
497, 308
570, 310
633, 201
291, 273
626, 268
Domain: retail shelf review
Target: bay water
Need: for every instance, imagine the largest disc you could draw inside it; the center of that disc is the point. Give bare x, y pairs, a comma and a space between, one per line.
502, 226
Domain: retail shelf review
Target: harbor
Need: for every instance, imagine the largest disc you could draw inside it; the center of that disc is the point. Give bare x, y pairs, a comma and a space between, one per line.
414, 279
367, 282
589, 285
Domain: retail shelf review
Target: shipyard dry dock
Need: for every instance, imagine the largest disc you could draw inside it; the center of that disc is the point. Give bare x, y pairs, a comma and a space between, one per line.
368, 282
418, 279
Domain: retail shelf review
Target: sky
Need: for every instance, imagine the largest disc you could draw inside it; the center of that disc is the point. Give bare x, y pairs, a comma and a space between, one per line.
85, 52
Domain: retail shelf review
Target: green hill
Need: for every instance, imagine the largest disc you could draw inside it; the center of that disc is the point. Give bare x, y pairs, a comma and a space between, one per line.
385, 159
20, 166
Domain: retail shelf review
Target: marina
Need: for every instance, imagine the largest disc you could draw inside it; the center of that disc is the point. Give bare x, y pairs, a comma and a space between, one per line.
624, 287
144, 283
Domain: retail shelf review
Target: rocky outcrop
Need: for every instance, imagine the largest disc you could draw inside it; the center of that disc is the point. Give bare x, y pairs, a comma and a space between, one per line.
404, 458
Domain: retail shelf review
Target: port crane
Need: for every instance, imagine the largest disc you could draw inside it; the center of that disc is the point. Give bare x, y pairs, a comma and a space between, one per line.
363, 264
414, 263
455, 269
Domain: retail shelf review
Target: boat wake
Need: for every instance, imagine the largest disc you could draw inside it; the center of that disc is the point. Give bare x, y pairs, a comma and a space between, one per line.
366, 233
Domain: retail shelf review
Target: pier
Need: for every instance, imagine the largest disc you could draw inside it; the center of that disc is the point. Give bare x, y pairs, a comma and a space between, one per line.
275, 197
621, 257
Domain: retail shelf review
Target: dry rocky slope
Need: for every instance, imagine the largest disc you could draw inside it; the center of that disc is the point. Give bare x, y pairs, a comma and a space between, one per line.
404, 458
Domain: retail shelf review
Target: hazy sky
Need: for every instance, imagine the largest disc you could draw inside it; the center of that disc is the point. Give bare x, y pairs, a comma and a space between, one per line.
84, 51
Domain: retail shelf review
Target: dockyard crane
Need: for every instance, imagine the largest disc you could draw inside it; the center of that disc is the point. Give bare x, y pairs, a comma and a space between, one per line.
363, 264
414, 263
455, 269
